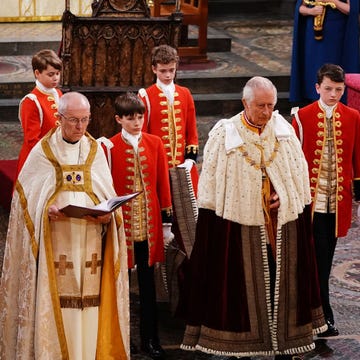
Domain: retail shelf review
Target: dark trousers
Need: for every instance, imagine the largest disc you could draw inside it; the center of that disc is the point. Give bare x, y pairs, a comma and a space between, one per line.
147, 293
325, 244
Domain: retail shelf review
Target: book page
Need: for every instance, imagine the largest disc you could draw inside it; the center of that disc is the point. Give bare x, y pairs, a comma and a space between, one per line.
103, 208
113, 203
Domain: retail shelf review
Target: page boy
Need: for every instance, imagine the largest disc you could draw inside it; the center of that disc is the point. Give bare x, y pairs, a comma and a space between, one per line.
138, 163
38, 109
170, 112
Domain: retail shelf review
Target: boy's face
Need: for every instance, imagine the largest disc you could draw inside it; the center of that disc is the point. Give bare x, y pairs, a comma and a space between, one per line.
131, 123
330, 91
165, 72
50, 77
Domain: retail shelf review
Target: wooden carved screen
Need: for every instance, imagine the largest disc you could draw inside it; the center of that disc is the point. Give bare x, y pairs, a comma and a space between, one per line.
105, 56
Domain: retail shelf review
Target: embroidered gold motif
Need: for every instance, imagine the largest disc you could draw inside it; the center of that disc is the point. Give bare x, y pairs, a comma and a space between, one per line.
192, 149
74, 177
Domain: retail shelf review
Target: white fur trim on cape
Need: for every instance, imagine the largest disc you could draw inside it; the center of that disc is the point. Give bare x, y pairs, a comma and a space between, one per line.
225, 174
233, 139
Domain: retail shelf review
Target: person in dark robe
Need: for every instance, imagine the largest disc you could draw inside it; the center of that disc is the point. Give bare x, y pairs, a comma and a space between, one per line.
252, 287
322, 34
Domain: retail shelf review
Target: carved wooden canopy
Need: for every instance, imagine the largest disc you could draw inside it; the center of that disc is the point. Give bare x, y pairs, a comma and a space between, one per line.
110, 53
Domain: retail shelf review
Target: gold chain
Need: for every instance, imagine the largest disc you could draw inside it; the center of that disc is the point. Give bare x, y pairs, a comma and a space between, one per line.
263, 164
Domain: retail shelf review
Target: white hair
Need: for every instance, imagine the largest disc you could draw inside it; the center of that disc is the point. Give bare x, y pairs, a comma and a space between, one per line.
69, 98
258, 82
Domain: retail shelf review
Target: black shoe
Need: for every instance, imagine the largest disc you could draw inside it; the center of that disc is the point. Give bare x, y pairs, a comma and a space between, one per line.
331, 331
284, 357
153, 349
133, 348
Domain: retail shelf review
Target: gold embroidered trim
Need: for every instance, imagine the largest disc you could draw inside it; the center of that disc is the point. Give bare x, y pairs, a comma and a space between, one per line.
168, 211
29, 224
77, 302
194, 149
87, 187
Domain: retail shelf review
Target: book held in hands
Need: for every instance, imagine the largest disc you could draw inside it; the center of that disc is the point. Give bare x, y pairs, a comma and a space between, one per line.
103, 208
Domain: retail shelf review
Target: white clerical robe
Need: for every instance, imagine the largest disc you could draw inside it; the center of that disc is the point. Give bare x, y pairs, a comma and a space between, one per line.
52, 306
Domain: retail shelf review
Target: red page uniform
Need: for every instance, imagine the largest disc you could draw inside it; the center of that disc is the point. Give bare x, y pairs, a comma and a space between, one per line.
37, 114
174, 123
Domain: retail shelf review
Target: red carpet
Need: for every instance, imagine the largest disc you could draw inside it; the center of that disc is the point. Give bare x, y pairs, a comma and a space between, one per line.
7, 176
7, 68
197, 65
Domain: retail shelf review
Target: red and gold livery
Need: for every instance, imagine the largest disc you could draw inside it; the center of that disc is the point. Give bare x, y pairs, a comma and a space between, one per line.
346, 132
146, 171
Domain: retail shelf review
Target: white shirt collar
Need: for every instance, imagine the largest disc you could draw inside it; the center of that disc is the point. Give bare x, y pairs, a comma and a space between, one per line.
132, 139
46, 90
168, 90
328, 109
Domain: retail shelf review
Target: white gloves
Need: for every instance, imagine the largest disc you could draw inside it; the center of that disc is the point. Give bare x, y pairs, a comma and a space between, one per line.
167, 234
187, 164
358, 212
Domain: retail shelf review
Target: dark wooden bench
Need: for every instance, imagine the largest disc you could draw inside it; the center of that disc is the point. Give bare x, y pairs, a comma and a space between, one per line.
194, 12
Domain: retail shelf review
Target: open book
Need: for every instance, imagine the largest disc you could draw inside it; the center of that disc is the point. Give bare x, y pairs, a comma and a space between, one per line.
101, 209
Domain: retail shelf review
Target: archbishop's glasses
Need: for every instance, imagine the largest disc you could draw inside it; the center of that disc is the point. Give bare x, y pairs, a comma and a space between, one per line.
76, 121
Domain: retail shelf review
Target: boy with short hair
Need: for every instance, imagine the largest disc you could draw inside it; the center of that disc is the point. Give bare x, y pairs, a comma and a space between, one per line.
329, 132
170, 112
38, 109
138, 163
